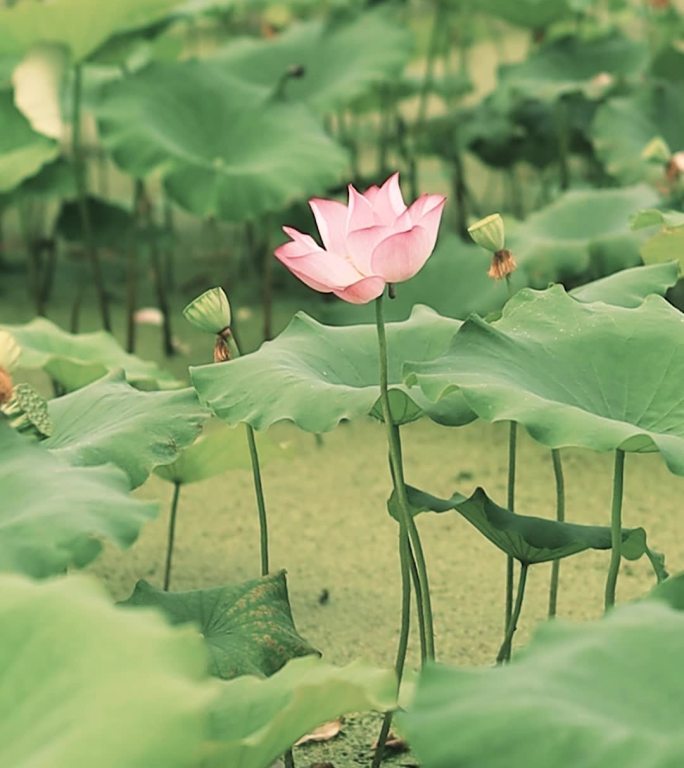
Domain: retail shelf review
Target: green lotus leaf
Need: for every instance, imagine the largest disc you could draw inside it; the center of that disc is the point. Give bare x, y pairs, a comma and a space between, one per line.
55, 515
604, 692
23, 152
629, 287
223, 147
248, 628
219, 449
583, 233
86, 683
665, 246
533, 14
586, 375
341, 60
75, 360
624, 126
317, 375
109, 421
530, 539
79, 25
255, 720
670, 591
650, 217
53, 181
570, 64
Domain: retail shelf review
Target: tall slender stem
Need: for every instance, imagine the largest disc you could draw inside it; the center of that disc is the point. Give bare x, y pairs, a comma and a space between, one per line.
560, 516
172, 535
504, 654
79, 176
404, 557
615, 528
415, 578
256, 474
405, 517
510, 503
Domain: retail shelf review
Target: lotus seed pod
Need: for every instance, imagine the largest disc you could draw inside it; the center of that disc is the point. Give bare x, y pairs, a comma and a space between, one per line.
209, 312
9, 351
488, 233
28, 411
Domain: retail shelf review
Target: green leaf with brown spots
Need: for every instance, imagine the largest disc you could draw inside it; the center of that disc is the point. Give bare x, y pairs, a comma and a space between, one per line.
248, 627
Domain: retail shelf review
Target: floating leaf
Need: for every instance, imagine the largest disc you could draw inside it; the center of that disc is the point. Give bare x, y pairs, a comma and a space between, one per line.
110, 422
75, 360
629, 287
570, 64
218, 449
256, 720
80, 25
248, 628
22, 151
85, 683
224, 148
604, 692
341, 60
317, 375
587, 375
528, 539
55, 515
583, 233
624, 126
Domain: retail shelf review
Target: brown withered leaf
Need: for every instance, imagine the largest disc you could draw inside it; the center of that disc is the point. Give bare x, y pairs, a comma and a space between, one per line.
324, 732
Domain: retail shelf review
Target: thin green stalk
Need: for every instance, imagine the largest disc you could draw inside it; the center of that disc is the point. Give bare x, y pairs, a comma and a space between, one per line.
415, 578
256, 474
172, 535
510, 503
79, 176
560, 516
405, 557
399, 483
504, 654
615, 528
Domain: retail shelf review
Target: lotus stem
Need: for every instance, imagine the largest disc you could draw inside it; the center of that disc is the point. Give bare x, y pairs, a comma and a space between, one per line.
510, 503
79, 176
172, 535
615, 528
404, 556
256, 475
504, 654
560, 516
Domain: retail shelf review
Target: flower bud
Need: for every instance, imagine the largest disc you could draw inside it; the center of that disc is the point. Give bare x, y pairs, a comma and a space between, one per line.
209, 312
488, 233
9, 351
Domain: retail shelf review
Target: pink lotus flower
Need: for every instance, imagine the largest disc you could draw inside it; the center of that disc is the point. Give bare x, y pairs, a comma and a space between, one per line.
372, 241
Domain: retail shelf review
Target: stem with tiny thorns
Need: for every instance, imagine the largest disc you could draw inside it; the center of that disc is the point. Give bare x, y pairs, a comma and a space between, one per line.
560, 516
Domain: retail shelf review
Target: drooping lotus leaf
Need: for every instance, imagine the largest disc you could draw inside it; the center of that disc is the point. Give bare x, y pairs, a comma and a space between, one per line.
526, 538
80, 25
571, 63
113, 225
248, 628
587, 375
583, 233
317, 375
22, 151
629, 287
533, 14
624, 126
219, 449
341, 59
86, 683
605, 692
109, 421
255, 720
223, 147
54, 180
76, 359
54, 515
